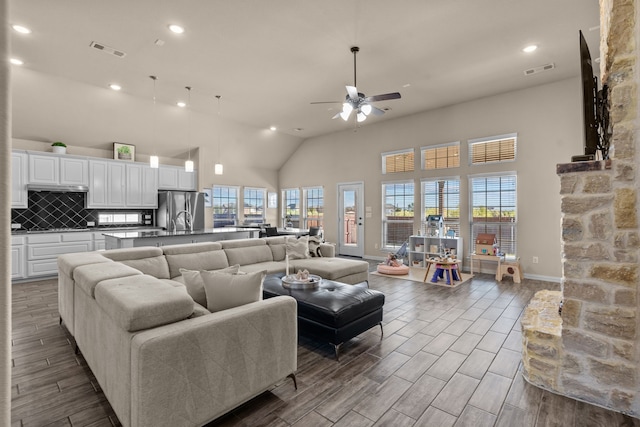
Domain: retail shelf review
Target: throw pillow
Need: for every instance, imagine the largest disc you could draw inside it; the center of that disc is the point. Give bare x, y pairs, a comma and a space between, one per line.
195, 286
226, 291
314, 246
297, 248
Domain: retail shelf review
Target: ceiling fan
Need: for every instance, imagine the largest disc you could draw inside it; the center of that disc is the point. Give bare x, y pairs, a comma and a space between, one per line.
357, 101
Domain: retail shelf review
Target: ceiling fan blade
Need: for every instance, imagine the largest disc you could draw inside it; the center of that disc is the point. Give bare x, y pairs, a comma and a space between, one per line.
353, 93
376, 111
328, 102
383, 97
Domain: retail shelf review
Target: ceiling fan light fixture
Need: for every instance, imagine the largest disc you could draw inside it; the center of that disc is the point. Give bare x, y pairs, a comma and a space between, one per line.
346, 111
366, 109
361, 116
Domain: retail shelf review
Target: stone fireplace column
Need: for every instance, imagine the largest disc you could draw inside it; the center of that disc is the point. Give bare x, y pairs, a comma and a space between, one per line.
591, 351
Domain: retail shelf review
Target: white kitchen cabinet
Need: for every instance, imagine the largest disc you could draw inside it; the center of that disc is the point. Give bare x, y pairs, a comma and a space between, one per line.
43, 250
98, 241
424, 247
18, 260
74, 171
176, 178
106, 184
19, 193
142, 186
53, 170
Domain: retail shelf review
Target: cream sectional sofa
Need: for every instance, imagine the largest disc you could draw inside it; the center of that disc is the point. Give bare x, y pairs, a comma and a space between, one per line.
163, 359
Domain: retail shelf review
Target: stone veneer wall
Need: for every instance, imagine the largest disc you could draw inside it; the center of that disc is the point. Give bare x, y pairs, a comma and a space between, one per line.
592, 352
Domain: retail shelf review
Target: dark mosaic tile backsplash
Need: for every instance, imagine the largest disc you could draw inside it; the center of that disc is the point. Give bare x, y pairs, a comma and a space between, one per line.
59, 210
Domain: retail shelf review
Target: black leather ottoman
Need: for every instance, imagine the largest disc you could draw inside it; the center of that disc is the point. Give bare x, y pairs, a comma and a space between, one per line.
334, 311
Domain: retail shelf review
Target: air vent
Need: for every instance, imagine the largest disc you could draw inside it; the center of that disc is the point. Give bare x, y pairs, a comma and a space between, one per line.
108, 49
540, 69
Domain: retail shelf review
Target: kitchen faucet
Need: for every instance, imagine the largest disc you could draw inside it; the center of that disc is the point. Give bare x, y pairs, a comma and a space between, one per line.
188, 219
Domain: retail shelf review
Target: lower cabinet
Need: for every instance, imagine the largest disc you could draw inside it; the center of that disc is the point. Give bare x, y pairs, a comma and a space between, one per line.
18, 260
43, 250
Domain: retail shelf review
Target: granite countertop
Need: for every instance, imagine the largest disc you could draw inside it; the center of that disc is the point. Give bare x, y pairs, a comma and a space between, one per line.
141, 234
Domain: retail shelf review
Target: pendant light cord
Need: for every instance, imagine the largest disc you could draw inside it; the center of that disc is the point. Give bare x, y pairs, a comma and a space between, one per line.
189, 119
219, 160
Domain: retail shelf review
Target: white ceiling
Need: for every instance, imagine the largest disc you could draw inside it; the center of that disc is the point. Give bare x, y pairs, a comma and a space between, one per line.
270, 59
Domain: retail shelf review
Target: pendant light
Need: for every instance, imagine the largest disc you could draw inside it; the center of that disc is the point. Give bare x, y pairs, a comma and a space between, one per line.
218, 168
154, 162
188, 165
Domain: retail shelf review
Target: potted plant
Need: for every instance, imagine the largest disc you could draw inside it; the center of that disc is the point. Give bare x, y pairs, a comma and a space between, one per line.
124, 153
59, 147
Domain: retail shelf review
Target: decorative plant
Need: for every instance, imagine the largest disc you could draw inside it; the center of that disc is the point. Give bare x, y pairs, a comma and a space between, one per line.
58, 144
124, 150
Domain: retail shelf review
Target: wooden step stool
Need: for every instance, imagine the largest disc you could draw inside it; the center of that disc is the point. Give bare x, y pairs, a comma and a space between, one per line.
510, 268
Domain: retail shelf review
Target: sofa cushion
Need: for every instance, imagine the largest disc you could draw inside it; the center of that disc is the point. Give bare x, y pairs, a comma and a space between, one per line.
297, 248
331, 268
271, 267
142, 302
226, 291
277, 246
197, 260
68, 262
153, 266
89, 275
195, 286
127, 254
249, 254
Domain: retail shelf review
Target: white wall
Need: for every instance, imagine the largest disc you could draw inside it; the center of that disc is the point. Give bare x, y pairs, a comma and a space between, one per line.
546, 118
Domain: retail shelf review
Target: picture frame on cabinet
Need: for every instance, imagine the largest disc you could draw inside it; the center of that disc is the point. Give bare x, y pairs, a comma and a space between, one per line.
208, 197
126, 152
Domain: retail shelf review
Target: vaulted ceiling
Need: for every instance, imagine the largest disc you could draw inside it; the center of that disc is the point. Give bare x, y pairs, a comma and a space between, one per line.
270, 59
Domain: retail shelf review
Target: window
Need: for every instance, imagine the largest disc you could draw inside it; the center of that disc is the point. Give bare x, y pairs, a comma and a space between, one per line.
254, 205
493, 203
441, 156
225, 205
494, 149
441, 196
397, 220
314, 207
398, 161
291, 207
105, 218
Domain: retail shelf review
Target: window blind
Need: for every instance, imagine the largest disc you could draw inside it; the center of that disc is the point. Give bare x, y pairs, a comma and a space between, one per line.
498, 150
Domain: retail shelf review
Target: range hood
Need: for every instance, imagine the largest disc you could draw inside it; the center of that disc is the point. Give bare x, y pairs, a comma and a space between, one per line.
58, 188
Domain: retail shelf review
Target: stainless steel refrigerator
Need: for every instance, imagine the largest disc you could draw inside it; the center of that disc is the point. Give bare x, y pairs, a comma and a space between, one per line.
180, 210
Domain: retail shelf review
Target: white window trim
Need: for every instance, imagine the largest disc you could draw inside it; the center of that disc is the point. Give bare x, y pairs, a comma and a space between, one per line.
430, 147
383, 202
470, 202
392, 153
264, 200
493, 138
304, 204
439, 178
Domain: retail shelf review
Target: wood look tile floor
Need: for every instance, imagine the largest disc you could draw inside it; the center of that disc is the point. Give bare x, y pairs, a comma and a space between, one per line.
448, 357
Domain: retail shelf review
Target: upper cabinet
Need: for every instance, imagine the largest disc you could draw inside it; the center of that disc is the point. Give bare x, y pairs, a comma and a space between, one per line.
19, 194
142, 186
176, 178
115, 184
53, 170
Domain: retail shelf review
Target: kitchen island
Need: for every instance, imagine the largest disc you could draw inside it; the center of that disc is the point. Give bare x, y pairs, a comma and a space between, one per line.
135, 238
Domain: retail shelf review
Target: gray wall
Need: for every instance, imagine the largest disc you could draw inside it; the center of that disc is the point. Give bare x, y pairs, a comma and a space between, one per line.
546, 118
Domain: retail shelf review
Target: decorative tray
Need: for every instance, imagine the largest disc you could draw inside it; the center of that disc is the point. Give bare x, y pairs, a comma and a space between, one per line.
292, 282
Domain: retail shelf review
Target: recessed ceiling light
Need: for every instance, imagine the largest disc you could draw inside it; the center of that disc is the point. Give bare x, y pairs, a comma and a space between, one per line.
273, 128
176, 28
181, 104
406, 85
115, 86
16, 61
530, 48
21, 29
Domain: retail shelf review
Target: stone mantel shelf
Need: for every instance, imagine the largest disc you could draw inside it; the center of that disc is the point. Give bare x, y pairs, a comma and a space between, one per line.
594, 165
